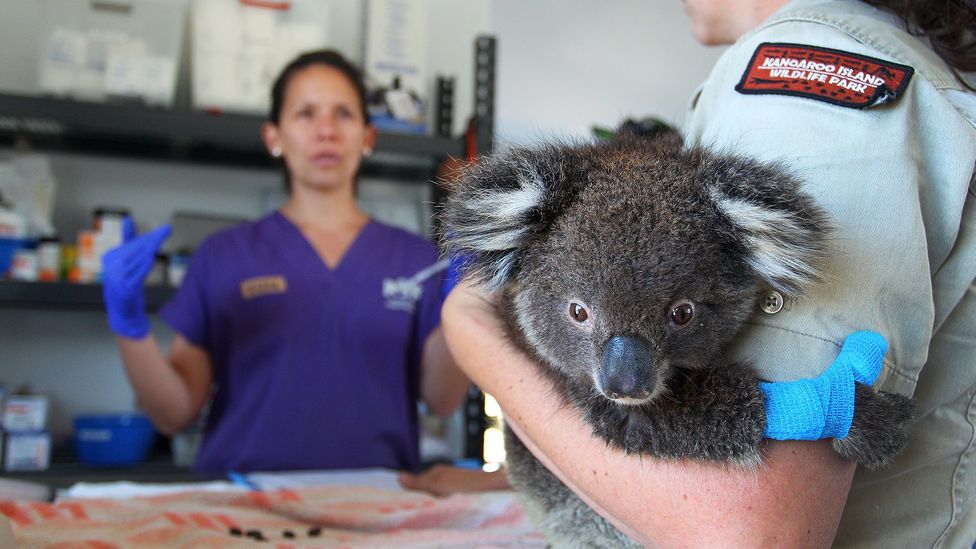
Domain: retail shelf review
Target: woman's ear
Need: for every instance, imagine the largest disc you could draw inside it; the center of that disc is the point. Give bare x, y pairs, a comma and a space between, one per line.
269, 134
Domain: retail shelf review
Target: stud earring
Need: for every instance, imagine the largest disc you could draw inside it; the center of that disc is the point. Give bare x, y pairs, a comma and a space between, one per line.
367, 151
276, 152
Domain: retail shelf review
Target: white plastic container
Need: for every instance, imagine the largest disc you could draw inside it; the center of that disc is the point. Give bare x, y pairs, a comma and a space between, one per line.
12, 224
24, 413
48, 259
24, 265
27, 451
87, 260
99, 49
176, 269
239, 46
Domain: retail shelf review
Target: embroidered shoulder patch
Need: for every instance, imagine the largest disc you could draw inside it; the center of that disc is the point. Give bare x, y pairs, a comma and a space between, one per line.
838, 77
263, 285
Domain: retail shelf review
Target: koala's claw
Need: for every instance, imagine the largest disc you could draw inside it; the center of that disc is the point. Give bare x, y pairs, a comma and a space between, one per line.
727, 400
877, 433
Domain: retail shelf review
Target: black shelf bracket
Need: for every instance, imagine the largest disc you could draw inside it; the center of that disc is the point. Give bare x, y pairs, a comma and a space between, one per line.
484, 93
69, 296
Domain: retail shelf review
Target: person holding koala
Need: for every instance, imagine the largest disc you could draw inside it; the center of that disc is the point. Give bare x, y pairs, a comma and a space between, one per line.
312, 313
869, 102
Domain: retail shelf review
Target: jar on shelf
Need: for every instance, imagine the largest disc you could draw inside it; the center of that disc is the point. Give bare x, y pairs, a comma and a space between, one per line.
69, 267
49, 259
176, 269
24, 264
109, 220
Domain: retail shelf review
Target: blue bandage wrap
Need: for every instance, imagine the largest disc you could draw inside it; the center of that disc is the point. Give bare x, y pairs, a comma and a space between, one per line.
823, 407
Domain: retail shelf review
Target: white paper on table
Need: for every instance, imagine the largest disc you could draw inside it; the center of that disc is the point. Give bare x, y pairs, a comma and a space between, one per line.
376, 478
126, 489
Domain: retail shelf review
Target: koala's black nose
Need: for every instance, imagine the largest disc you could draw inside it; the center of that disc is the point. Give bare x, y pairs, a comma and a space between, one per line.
628, 371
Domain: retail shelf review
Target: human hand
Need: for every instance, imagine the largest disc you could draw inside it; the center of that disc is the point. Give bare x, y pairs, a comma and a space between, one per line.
823, 407
124, 269
444, 480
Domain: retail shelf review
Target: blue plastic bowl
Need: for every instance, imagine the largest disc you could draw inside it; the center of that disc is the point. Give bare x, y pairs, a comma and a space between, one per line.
113, 439
7, 248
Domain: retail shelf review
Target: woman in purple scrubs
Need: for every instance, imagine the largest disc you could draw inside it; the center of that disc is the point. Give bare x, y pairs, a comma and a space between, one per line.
313, 331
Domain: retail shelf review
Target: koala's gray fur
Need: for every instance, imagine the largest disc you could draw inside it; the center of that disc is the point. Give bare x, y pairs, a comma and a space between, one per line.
635, 232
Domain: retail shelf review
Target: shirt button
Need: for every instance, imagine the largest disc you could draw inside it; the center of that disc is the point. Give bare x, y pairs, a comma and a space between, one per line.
772, 302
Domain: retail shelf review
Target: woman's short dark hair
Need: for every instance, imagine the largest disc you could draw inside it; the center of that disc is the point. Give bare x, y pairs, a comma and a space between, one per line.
950, 25
329, 58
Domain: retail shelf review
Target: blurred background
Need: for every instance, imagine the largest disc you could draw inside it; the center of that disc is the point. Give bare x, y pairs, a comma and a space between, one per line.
152, 108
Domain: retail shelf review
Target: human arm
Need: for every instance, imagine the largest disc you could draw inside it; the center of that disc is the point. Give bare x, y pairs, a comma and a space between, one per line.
794, 499
443, 384
171, 390
444, 480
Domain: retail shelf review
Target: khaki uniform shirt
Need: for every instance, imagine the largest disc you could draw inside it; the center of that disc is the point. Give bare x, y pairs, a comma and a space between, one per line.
898, 180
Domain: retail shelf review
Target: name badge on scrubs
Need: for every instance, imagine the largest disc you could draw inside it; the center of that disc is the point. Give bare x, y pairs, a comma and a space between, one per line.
263, 285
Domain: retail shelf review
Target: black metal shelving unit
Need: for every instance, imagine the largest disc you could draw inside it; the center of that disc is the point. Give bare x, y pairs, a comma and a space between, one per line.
108, 128
69, 296
122, 129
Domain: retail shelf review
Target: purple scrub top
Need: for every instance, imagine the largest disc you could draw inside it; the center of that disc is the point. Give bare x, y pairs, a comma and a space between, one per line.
314, 368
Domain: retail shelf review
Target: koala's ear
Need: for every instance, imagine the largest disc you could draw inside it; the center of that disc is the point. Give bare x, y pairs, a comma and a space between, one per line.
500, 203
785, 232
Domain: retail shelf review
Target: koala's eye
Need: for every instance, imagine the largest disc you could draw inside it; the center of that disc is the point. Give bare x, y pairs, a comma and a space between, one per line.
578, 313
682, 313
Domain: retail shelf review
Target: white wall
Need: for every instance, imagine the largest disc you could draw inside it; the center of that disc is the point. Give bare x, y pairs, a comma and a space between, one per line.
565, 65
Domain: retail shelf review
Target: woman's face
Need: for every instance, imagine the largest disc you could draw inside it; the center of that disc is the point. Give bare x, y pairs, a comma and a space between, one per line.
321, 133
716, 22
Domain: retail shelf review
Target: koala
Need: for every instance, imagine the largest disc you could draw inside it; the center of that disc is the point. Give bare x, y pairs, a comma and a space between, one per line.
625, 269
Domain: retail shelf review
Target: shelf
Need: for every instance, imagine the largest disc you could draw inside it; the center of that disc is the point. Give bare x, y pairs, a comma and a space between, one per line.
129, 129
156, 470
65, 295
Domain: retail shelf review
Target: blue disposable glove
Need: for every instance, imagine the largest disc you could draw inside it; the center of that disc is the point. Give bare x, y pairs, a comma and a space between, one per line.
124, 270
455, 271
823, 407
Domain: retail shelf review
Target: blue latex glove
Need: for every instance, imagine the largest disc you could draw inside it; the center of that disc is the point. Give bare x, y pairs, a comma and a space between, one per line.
823, 407
124, 270
455, 271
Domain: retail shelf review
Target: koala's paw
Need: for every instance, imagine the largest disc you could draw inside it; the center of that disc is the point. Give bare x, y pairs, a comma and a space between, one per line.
877, 432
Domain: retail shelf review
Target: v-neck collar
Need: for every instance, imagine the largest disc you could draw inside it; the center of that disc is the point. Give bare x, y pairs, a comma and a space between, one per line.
307, 253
